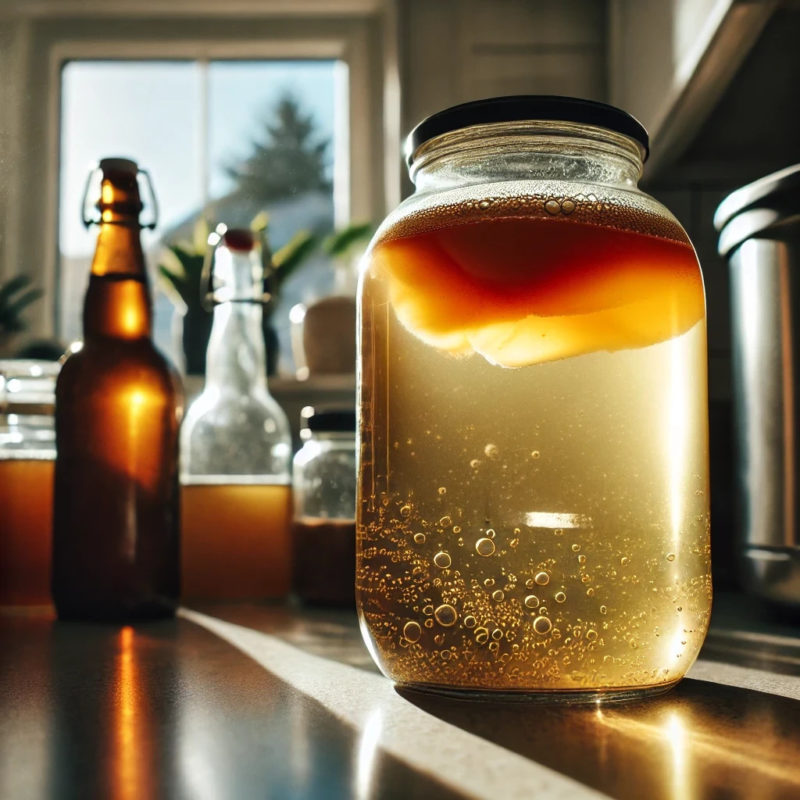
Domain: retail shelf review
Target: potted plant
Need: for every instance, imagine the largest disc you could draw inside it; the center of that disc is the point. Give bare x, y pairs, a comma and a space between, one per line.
16, 294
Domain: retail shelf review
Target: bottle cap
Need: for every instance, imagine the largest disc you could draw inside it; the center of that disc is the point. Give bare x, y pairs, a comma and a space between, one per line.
124, 165
329, 419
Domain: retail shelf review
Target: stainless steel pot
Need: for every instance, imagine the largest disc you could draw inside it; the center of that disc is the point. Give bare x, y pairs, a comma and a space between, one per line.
759, 227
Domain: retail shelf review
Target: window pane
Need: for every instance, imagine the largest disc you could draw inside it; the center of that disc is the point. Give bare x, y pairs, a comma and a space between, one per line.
224, 141
148, 111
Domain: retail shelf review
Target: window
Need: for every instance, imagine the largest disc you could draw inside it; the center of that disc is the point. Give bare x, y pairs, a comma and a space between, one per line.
199, 127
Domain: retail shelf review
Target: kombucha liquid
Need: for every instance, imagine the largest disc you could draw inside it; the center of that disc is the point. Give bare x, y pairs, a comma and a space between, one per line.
235, 540
533, 507
26, 531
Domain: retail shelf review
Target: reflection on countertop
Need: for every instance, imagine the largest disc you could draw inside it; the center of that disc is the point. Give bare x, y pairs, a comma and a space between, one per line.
272, 701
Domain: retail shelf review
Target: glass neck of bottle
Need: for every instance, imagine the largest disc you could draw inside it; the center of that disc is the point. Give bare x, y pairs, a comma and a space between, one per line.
531, 150
236, 356
118, 301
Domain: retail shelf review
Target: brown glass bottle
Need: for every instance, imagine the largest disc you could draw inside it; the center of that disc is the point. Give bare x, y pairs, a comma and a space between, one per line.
116, 553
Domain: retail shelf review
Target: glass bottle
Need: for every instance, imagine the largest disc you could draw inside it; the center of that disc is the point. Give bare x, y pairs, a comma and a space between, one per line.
324, 531
27, 453
235, 445
533, 488
118, 409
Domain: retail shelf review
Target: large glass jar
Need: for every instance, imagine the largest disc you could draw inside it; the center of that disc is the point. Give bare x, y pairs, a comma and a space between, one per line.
533, 481
27, 453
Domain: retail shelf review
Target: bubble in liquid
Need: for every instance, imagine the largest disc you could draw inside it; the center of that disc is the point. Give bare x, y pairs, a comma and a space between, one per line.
590, 592
445, 655
456, 529
470, 621
474, 463
412, 631
445, 615
428, 623
427, 610
576, 548
541, 578
535, 454
419, 538
514, 543
581, 559
542, 625
442, 560
531, 601
603, 610
445, 522
488, 582
624, 561
484, 547
494, 646
560, 597
490, 533
439, 639
497, 634
568, 206
405, 510
481, 635
670, 556
552, 207
498, 596
591, 634
492, 451
442, 490
559, 531
530, 583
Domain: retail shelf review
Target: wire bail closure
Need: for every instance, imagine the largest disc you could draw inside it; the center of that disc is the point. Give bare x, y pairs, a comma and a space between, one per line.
211, 295
93, 189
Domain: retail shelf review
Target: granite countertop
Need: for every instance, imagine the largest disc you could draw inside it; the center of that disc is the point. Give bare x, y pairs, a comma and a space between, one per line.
252, 701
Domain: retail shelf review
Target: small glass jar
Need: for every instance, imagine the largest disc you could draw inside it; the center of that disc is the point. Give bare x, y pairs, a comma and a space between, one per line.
27, 456
325, 499
533, 480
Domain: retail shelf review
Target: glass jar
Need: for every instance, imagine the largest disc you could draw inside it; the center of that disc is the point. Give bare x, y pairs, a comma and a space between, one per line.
235, 445
27, 454
324, 539
533, 480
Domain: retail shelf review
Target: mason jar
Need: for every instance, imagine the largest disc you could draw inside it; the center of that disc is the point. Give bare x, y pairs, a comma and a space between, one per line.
27, 456
533, 510
324, 530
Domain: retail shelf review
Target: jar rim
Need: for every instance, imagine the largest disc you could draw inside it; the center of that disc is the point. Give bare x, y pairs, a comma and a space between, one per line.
520, 108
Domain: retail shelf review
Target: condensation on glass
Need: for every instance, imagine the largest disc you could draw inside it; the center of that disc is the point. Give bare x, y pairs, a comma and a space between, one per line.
533, 511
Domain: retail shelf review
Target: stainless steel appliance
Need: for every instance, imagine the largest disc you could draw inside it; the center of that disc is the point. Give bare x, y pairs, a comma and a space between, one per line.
759, 234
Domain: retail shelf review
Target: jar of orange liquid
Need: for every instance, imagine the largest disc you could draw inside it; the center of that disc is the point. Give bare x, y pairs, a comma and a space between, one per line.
27, 453
532, 516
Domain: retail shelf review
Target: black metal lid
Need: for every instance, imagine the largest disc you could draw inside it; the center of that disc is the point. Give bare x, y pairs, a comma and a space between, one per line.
517, 108
329, 419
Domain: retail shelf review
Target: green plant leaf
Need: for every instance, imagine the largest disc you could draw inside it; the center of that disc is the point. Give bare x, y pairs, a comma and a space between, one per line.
260, 222
338, 243
11, 287
297, 250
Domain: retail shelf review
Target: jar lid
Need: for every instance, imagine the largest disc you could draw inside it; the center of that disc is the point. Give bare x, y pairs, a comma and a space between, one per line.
518, 108
329, 419
766, 203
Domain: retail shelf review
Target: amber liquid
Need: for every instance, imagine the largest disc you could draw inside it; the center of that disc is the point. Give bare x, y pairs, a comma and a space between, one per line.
26, 529
116, 523
533, 507
235, 540
325, 561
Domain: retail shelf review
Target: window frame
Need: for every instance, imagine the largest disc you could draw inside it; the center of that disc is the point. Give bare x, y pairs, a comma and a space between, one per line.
354, 40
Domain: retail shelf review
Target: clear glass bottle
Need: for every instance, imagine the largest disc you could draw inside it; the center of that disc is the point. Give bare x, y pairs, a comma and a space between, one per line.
533, 479
235, 445
324, 533
27, 454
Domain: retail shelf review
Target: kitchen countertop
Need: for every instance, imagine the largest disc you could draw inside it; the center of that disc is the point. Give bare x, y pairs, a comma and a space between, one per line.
249, 701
